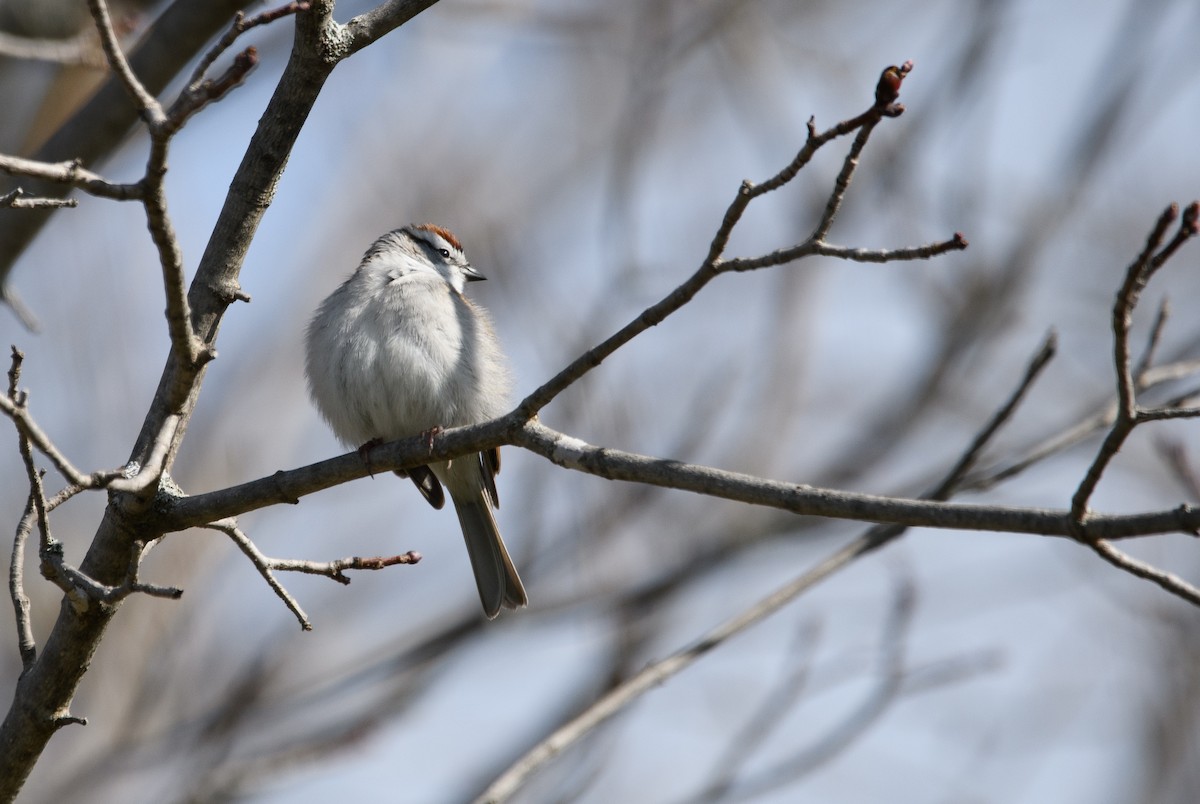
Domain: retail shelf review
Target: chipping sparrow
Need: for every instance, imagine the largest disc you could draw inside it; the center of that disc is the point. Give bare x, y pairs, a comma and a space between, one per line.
397, 350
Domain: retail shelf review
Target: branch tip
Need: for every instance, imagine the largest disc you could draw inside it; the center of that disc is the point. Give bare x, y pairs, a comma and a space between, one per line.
888, 88
1191, 217
14, 375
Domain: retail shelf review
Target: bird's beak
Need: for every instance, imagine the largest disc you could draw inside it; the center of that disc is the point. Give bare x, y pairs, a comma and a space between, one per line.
472, 275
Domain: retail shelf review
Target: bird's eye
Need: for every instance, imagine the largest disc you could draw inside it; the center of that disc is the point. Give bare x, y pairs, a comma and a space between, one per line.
445, 252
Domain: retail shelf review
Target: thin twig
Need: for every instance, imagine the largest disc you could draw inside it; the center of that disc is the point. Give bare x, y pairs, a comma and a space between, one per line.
16, 199
1128, 414
1152, 342
197, 96
1087, 427
954, 478
83, 591
263, 564
26, 644
810, 248
267, 567
1165, 580
80, 589
72, 173
712, 265
150, 109
1136, 277
20, 415
16, 567
336, 569
240, 25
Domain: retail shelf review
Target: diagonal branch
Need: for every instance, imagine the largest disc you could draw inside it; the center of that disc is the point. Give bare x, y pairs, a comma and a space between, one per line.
240, 25
1138, 274
267, 567
148, 107
713, 264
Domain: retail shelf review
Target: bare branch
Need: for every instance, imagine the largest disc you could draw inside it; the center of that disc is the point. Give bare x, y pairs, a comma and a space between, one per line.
1136, 277
201, 94
336, 569
16, 199
330, 569
810, 248
1079, 431
83, 591
19, 413
713, 265
72, 173
240, 25
1151, 350
614, 464
386, 17
1165, 580
151, 111
26, 644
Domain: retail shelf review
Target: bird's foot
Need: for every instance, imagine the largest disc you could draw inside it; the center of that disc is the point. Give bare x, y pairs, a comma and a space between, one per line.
364, 452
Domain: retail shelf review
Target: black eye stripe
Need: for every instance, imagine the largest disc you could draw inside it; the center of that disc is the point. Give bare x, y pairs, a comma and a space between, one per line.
445, 252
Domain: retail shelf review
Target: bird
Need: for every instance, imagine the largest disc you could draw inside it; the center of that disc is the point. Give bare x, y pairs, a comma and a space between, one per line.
398, 350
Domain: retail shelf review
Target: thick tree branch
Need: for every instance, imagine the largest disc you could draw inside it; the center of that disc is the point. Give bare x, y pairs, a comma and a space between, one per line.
373, 25
292, 485
48, 686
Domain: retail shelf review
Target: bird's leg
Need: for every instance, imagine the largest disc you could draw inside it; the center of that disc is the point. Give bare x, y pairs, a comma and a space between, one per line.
430, 434
364, 452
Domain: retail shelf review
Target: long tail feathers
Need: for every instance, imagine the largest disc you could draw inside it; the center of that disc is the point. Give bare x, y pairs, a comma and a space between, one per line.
497, 578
